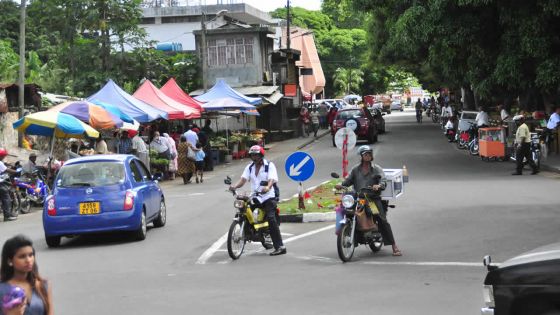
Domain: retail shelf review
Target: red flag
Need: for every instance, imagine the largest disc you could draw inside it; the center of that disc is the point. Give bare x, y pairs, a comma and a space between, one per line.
306, 195
319, 205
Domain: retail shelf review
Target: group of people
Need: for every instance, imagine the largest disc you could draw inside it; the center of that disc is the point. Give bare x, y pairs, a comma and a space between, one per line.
317, 117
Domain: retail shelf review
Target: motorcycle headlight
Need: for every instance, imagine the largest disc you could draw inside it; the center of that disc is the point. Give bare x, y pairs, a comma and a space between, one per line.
348, 201
238, 203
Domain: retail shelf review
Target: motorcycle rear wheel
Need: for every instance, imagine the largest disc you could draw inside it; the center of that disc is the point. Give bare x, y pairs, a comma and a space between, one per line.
235, 240
24, 204
344, 245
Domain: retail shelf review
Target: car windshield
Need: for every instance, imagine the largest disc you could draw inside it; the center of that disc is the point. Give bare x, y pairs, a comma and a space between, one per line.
91, 174
347, 114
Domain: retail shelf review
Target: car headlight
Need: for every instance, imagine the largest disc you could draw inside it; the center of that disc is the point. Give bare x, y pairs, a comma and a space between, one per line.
239, 204
488, 294
348, 201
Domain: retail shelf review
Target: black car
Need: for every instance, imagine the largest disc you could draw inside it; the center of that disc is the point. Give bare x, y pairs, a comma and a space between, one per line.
528, 284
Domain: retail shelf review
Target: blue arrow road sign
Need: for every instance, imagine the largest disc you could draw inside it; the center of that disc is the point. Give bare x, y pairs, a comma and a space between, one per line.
299, 166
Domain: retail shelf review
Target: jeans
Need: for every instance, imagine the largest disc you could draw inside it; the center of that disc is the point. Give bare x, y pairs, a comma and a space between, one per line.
6, 201
269, 207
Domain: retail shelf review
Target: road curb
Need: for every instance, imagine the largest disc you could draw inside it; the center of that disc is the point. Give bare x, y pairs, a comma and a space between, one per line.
309, 217
313, 140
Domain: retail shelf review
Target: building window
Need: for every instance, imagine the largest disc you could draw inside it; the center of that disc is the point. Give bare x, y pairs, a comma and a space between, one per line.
230, 52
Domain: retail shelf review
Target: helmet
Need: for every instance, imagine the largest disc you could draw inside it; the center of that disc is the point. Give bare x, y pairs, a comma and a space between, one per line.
518, 117
3, 152
256, 149
365, 149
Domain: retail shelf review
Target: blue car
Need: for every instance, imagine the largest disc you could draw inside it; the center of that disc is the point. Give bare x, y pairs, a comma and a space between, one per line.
103, 193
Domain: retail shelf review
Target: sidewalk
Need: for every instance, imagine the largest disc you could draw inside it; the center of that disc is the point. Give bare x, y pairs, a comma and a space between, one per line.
551, 163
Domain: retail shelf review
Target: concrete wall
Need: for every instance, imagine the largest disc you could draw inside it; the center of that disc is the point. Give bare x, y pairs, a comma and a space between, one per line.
8, 136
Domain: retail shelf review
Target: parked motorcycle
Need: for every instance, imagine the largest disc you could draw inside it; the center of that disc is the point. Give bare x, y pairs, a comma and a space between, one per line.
356, 227
249, 224
31, 190
8, 183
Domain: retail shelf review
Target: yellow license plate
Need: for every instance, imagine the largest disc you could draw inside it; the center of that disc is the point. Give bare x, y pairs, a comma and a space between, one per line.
89, 207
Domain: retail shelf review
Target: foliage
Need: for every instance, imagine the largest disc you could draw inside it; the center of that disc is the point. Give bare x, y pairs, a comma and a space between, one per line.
497, 48
348, 80
9, 62
322, 200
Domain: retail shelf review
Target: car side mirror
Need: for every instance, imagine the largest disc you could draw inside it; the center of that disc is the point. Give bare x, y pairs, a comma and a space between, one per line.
335, 175
227, 181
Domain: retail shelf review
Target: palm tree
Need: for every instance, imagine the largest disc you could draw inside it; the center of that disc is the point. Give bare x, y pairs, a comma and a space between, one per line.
347, 79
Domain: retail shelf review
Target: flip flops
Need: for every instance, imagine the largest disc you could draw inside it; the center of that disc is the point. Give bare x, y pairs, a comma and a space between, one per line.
397, 253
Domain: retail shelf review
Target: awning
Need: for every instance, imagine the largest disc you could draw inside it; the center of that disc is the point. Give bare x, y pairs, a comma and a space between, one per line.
173, 90
222, 90
270, 93
150, 94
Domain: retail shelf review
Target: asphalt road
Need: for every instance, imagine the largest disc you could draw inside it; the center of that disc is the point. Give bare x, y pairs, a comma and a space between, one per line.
455, 210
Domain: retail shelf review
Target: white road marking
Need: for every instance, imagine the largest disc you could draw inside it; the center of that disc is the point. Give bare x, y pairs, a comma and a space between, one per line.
211, 250
286, 234
196, 194
297, 237
403, 263
218, 244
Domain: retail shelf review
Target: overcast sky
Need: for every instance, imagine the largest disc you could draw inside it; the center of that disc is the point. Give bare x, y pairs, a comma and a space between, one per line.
271, 5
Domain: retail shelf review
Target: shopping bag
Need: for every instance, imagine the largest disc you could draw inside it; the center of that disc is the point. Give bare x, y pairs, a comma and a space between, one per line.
190, 154
365, 223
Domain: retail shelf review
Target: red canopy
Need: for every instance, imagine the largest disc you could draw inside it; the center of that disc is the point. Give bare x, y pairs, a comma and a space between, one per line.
173, 90
150, 94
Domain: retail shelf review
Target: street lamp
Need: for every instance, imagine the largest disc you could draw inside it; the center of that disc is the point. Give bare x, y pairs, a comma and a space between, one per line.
204, 52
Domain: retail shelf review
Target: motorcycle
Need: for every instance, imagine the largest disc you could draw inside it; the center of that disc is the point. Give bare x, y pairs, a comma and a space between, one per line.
8, 183
353, 232
31, 190
249, 224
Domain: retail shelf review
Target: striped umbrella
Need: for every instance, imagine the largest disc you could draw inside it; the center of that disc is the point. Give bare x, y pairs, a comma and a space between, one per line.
51, 123
94, 115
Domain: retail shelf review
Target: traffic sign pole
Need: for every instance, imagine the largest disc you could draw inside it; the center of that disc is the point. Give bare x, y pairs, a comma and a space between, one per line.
345, 156
301, 201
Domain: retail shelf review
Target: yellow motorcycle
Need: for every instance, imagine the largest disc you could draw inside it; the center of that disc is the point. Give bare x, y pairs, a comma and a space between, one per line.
249, 224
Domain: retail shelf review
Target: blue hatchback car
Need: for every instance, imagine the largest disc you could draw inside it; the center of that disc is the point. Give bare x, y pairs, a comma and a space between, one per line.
103, 193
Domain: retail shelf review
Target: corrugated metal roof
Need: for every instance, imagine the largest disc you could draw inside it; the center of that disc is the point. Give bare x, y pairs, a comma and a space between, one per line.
274, 98
263, 90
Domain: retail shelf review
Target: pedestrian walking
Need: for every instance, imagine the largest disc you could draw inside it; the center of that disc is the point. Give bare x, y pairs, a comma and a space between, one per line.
315, 121
305, 120
4, 188
418, 107
19, 269
186, 166
199, 163
173, 155
523, 149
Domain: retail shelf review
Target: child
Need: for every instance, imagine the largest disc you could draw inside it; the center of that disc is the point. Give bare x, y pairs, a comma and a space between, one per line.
450, 129
199, 162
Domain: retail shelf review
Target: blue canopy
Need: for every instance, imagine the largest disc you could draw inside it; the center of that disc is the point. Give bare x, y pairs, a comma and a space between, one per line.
112, 94
223, 90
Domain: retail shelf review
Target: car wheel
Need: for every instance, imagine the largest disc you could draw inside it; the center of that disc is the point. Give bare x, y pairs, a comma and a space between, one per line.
140, 234
53, 241
162, 216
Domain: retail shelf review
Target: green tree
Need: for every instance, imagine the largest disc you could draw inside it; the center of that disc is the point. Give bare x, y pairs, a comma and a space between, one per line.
9, 62
348, 80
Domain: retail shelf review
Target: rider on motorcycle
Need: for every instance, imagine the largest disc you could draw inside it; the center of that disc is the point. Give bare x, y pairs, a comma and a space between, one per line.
4, 189
30, 166
262, 175
362, 176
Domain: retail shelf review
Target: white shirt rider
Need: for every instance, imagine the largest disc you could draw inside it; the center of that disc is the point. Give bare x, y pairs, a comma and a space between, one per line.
256, 179
482, 119
3, 167
446, 111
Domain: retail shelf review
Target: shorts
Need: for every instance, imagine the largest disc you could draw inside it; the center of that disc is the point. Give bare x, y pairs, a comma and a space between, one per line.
199, 165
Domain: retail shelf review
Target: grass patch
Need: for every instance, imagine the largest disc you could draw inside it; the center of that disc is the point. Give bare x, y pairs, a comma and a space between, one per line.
322, 200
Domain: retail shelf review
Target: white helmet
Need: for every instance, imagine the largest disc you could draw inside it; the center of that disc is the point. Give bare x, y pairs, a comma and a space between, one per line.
365, 149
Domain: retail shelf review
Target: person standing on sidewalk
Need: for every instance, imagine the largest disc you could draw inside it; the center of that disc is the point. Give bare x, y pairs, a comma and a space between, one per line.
19, 268
523, 150
262, 175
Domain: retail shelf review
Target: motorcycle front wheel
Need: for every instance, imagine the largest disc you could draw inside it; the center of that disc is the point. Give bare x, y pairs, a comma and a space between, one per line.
344, 243
24, 204
236, 240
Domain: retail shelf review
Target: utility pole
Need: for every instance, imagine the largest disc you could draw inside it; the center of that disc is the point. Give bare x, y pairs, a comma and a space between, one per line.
203, 53
288, 42
21, 79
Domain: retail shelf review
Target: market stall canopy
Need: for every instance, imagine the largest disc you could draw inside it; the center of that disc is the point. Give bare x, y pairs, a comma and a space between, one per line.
222, 90
150, 94
94, 115
173, 90
116, 111
51, 123
227, 103
112, 94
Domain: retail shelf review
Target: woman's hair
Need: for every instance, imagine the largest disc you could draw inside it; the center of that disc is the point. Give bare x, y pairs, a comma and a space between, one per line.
183, 139
11, 246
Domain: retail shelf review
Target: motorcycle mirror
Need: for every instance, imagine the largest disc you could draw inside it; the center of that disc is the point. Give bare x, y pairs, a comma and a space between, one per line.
227, 181
335, 175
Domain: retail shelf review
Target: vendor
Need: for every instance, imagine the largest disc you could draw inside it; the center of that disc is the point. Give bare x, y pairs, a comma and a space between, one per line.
139, 148
101, 145
160, 145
